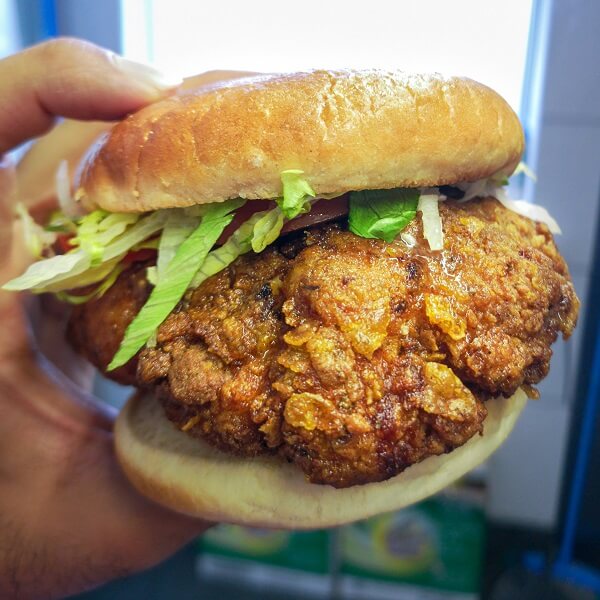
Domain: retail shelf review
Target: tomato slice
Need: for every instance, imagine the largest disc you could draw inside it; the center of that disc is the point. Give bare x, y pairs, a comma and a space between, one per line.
139, 255
322, 211
62, 243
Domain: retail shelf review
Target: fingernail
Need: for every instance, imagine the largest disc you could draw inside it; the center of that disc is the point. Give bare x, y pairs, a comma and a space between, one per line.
145, 73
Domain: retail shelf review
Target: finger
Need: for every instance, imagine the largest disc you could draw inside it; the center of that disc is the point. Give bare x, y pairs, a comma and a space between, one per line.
45, 317
8, 191
14, 257
70, 78
48, 318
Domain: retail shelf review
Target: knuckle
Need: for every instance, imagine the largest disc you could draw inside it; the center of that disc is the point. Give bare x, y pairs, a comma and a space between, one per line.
64, 50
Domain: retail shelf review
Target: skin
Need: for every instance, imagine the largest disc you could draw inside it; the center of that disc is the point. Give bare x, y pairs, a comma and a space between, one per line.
68, 518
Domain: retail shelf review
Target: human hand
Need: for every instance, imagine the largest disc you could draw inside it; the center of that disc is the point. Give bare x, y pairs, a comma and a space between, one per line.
68, 517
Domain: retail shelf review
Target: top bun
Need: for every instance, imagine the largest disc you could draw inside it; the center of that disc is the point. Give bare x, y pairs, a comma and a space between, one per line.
347, 130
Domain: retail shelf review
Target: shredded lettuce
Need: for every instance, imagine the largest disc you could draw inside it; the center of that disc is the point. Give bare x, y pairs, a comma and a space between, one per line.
61, 223
178, 227
151, 275
267, 229
296, 191
98, 229
101, 238
105, 284
240, 242
524, 168
529, 210
36, 238
176, 279
62, 186
90, 276
52, 270
136, 234
382, 214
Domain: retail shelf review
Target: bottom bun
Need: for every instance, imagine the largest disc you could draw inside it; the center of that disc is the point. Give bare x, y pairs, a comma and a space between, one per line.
191, 477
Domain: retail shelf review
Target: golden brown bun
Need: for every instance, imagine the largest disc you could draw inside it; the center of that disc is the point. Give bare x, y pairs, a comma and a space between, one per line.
70, 141
187, 475
346, 130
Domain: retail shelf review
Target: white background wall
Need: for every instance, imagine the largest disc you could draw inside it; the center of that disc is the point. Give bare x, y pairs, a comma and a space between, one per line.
526, 473
483, 40
10, 40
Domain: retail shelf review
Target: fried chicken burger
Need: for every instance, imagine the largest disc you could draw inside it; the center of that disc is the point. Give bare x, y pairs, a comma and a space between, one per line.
319, 285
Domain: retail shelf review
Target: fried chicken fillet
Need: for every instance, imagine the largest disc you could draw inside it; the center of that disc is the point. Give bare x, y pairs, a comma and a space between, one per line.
352, 358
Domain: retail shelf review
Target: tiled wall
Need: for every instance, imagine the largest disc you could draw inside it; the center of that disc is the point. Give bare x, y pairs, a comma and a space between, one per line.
526, 473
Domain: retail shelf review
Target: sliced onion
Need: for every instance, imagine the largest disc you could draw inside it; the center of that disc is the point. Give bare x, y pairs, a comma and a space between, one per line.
526, 209
524, 168
408, 239
432, 223
473, 189
62, 182
36, 238
487, 187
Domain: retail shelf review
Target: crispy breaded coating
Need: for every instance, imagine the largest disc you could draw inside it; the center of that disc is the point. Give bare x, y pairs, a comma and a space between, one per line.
355, 358
96, 328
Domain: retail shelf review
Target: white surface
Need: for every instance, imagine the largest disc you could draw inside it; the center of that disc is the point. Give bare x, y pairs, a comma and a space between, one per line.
526, 472
582, 284
554, 388
463, 37
568, 185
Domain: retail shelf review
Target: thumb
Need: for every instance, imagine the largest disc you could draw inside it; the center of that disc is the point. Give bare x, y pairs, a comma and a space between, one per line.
13, 256
70, 78
13, 259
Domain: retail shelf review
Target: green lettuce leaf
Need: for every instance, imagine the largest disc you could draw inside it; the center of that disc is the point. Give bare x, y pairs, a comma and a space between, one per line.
144, 228
59, 222
267, 229
37, 239
106, 283
178, 228
382, 214
524, 168
90, 276
87, 230
62, 272
177, 278
240, 242
49, 271
296, 191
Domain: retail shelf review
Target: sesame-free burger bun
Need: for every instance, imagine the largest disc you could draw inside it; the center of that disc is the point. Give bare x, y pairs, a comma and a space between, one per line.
347, 130
191, 477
